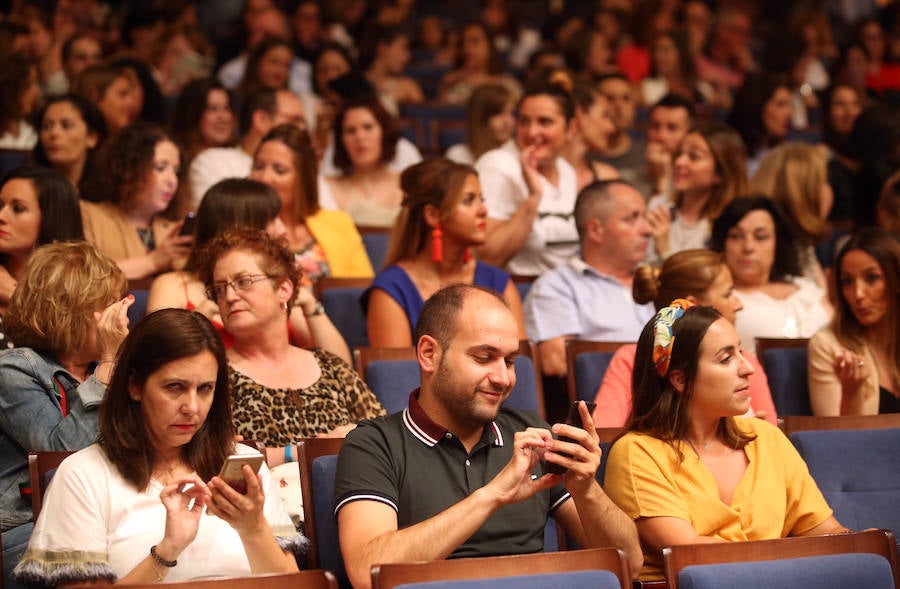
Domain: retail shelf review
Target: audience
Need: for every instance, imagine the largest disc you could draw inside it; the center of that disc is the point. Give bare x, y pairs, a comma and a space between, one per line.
687, 471
477, 63
280, 393
530, 188
241, 202
761, 253
130, 507
37, 206
590, 296
382, 58
325, 243
762, 115
854, 364
443, 216
401, 492
490, 122
365, 142
590, 131
260, 112
70, 129
129, 225
112, 89
708, 172
65, 315
623, 151
19, 93
670, 120
795, 176
701, 277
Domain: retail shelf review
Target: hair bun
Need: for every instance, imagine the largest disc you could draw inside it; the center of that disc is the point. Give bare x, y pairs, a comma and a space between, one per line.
562, 79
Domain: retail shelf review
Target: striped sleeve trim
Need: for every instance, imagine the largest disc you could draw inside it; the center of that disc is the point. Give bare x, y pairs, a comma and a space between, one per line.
365, 497
562, 499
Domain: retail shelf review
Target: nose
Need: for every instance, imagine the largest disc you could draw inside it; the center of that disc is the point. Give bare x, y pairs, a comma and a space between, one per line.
858, 289
190, 403
502, 376
736, 303
745, 369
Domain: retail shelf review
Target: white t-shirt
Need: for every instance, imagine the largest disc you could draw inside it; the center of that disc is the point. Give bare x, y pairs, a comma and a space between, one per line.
682, 235
214, 164
553, 239
798, 316
406, 155
91, 512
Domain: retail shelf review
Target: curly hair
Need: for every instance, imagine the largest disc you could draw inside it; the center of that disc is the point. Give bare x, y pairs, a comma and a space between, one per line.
126, 160
273, 255
63, 284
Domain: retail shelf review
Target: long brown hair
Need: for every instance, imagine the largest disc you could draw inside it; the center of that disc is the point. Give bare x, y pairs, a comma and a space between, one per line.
162, 337
730, 155
306, 187
685, 273
885, 250
659, 410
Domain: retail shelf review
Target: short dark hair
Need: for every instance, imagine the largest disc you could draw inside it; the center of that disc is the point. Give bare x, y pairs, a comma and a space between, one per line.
440, 312
554, 90
593, 196
658, 409
92, 118
787, 257
749, 103
390, 135
189, 108
671, 100
162, 337
57, 200
261, 99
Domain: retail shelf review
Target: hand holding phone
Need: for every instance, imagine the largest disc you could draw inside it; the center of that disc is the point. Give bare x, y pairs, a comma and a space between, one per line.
573, 418
233, 470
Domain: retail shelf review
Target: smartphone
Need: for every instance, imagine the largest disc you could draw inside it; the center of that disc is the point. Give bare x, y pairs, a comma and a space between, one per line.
190, 222
573, 418
232, 471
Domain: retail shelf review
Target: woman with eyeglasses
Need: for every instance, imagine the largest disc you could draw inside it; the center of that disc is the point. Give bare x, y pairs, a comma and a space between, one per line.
280, 392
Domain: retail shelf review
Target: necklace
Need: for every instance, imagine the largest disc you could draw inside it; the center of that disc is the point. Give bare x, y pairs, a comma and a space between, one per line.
707, 446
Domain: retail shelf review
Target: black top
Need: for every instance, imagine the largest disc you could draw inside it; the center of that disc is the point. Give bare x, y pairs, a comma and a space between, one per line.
887, 401
417, 467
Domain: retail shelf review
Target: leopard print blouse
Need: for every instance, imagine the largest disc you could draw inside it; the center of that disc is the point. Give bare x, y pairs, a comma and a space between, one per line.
277, 417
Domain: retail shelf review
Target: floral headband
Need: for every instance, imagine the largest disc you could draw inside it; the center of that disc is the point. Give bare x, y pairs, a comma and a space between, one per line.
663, 338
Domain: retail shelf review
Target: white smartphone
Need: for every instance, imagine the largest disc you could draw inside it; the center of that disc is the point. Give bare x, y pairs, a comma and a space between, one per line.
232, 471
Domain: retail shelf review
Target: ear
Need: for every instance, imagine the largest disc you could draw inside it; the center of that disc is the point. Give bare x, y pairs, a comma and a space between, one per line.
428, 352
432, 215
134, 391
676, 377
692, 299
261, 120
595, 229
285, 291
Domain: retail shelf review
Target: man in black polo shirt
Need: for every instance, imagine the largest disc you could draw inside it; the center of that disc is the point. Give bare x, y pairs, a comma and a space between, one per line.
453, 474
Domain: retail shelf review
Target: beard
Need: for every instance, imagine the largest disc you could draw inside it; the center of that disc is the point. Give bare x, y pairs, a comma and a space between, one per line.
462, 400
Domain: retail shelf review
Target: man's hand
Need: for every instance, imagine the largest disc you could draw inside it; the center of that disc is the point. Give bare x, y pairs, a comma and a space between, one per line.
583, 451
514, 483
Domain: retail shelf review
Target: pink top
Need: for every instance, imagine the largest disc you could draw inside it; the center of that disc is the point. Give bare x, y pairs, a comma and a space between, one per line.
614, 396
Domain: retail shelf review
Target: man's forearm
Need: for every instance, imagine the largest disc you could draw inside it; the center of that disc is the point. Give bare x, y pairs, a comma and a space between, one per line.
432, 539
604, 524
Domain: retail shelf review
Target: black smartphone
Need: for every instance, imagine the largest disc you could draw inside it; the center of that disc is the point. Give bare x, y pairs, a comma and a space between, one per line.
232, 471
190, 222
573, 418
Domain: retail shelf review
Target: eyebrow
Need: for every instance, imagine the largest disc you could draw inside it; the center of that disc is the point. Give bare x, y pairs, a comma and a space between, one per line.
726, 349
492, 350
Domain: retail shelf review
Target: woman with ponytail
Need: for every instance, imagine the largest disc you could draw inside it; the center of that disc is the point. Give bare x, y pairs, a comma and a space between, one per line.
441, 218
701, 277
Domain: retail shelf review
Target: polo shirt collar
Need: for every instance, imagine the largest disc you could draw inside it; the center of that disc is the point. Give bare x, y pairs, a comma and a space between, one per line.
582, 267
430, 433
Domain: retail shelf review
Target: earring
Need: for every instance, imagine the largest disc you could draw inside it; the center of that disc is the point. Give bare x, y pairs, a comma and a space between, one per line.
284, 305
437, 243
467, 255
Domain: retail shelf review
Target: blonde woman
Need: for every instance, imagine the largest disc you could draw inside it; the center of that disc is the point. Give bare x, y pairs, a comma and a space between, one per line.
795, 176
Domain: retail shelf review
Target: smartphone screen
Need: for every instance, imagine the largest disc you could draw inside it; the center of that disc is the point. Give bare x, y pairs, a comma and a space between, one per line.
232, 471
573, 418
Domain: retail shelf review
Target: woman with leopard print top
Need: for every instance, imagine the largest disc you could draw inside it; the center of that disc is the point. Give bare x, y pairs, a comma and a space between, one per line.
279, 392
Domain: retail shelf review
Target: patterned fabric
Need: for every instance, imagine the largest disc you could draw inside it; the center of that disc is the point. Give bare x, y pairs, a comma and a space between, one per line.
663, 338
277, 417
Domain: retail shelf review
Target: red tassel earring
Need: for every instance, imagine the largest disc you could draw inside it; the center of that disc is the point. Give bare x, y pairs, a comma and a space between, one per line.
437, 244
467, 256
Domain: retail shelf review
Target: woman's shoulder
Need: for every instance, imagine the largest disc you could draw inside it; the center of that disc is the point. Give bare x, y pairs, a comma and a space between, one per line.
91, 461
332, 218
505, 157
25, 358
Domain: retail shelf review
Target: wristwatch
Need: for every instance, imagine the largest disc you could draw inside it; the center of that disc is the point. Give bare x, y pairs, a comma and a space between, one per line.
318, 310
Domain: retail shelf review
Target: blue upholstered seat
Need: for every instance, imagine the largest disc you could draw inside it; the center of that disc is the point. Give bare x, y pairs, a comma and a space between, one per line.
568, 580
858, 472
836, 571
589, 370
786, 371
322, 474
342, 304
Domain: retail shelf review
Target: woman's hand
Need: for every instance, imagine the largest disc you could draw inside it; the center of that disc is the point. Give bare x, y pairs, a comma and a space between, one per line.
852, 370
184, 501
173, 247
660, 221
306, 300
112, 327
244, 512
530, 173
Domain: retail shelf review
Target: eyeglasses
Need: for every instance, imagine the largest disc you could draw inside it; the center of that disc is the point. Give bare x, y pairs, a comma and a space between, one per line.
219, 289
